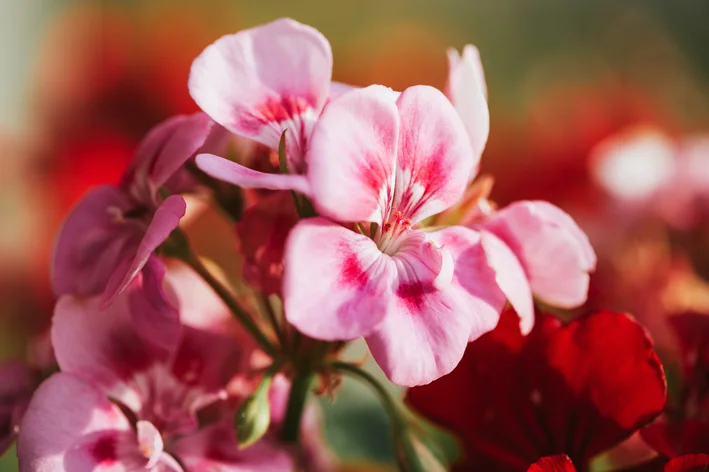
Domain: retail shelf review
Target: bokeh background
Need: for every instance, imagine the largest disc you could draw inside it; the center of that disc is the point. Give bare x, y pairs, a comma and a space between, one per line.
82, 81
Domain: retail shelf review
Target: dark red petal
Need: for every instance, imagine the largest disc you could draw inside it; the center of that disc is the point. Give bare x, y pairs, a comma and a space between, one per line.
689, 463
559, 463
692, 330
671, 440
577, 390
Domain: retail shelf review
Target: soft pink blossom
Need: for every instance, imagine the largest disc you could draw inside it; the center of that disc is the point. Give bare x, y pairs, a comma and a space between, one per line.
110, 235
648, 173
467, 91
258, 83
391, 160
534, 247
76, 421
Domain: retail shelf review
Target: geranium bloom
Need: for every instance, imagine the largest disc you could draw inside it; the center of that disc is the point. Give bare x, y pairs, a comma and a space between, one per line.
126, 401
110, 235
258, 83
576, 389
399, 161
553, 253
467, 91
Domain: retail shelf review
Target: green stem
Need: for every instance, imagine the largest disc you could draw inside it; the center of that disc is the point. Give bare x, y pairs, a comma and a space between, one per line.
228, 298
296, 405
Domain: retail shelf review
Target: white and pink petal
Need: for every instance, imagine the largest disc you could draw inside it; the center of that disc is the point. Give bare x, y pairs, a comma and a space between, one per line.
467, 91
263, 80
352, 157
555, 253
336, 281
71, 426
434, 157
426, 329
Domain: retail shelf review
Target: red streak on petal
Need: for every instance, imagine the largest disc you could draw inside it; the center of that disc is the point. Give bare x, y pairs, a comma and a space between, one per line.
352, 272
413, 294
128, 356
104, 451
275, 110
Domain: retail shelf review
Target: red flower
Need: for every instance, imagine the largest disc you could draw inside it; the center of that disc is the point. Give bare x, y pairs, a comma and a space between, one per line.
574, 389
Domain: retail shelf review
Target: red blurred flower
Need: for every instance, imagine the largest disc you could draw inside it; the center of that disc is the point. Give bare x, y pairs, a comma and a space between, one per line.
574, 389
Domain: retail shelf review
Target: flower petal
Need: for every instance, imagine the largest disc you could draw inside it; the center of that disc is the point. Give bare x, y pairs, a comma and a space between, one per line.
165, 220
434, 156
90, 243
103, 348
554, 252
236, 174
688, 463
187, 139
474, 275
262, 80
215, 449
467, 91
335, 281
425, 331
578, 389
154, 317
71, 426
559, 463
150, 442
510, 277
360, 128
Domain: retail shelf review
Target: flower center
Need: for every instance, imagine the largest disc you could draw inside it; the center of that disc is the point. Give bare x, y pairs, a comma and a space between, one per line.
390, 236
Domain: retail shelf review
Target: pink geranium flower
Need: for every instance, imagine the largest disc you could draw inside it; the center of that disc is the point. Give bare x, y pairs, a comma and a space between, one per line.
126, 401
258, 83
111, 234
534, 247
391, 160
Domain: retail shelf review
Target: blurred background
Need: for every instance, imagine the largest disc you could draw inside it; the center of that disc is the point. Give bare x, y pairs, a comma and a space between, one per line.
82, 81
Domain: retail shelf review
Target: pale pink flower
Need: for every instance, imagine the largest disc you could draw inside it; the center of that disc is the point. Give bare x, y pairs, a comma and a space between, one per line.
648, 173
110, 235
258, 83
391, 160
467, 91
125, 400
534, 248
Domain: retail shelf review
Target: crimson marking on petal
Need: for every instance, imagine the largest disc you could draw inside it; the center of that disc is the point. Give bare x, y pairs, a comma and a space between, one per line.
127, 355
104, 450
352, 272
432, 176
189, 363
275, 110
413, 294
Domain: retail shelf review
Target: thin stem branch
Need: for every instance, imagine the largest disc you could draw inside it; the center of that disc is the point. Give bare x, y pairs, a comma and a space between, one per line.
228, 298
406, 455
273, 319
296, 405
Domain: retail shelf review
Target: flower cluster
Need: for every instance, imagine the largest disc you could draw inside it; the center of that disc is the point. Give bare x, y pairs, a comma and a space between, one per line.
365, 218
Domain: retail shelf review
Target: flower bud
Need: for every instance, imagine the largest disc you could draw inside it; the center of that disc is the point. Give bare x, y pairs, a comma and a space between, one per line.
254, 415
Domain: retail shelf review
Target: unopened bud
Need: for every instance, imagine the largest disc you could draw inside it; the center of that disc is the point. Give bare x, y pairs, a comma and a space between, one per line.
254, 416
